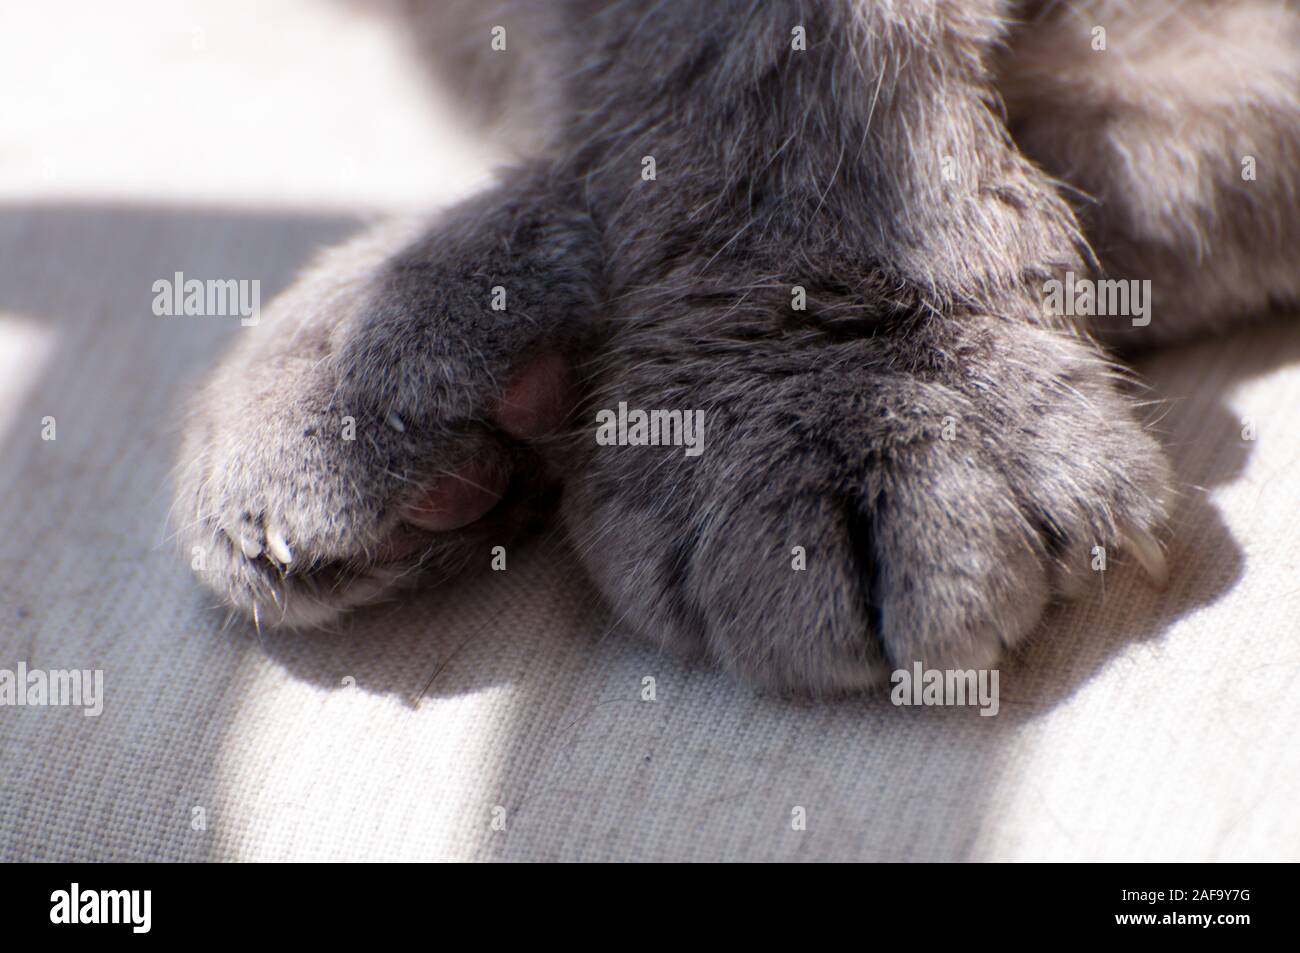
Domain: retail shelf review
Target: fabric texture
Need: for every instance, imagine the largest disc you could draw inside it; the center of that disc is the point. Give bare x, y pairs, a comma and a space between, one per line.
502, 716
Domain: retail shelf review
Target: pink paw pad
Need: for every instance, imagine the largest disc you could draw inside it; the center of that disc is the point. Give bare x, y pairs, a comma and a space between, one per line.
533, 404
536, 400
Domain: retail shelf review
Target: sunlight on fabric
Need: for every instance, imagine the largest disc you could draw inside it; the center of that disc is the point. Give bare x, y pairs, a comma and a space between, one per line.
252, 113
25, 348
328, 773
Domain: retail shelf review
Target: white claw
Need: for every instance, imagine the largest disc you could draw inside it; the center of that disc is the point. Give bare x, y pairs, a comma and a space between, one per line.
1147, 550
246, 545
252, 549
395, 422
279, 547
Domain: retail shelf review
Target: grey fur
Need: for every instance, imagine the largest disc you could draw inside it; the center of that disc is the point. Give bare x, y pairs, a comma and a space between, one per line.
945, 453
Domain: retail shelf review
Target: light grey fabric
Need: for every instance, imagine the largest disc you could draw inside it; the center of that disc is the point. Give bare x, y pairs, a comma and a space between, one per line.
1140, 725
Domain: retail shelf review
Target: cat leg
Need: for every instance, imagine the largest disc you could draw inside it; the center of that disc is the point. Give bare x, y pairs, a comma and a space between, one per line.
1179, 125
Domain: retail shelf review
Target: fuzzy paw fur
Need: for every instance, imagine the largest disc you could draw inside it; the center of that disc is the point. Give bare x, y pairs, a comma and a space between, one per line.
379, 421
941, 481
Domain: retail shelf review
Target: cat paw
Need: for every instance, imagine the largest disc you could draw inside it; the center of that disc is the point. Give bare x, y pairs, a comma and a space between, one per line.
379, 424
859, 502
298, 511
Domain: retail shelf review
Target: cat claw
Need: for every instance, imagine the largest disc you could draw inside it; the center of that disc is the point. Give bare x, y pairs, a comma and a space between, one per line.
278, 547
1148, 552
245, 543
250, 547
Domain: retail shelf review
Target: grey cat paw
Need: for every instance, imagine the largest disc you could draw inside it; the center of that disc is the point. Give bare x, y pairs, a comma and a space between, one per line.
921, 492
376, 426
